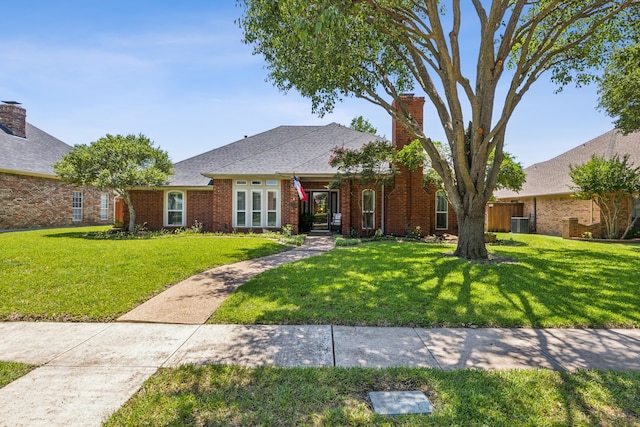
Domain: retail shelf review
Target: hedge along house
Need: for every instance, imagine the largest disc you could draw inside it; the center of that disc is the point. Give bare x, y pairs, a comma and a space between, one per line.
548, 201
249, 185
31, 195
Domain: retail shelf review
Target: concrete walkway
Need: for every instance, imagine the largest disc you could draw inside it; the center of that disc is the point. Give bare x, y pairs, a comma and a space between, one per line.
89, 370
193, 300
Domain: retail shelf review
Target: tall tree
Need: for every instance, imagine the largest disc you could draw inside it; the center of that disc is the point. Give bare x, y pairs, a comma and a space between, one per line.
119, 163
457, 55
620, 89
609, 183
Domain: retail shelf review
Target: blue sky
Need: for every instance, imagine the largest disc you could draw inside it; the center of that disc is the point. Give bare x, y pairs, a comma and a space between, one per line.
178, 72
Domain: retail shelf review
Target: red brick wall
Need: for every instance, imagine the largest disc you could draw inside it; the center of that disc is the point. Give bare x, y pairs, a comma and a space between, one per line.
290, 205
404, 209
200, 208
222, 205
149, 206
28, 202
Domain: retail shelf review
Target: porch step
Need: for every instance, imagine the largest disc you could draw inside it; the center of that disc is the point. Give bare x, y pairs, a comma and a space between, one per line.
319, 233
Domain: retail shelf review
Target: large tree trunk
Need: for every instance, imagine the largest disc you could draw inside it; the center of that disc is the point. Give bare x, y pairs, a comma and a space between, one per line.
132, 213
471, 244
132, 219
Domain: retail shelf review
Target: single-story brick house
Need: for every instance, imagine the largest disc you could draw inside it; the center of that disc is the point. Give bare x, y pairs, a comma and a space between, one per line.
548, 201
31, 195
249, 185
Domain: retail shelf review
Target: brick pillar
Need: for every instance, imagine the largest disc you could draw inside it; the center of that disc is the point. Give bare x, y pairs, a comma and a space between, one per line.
290, 205
570, 227
222, 210
345, 208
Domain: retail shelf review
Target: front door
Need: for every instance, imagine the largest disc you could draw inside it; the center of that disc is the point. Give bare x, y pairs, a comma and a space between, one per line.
320, 210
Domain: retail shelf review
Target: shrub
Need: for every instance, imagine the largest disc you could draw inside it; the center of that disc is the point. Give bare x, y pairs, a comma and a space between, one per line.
344, 241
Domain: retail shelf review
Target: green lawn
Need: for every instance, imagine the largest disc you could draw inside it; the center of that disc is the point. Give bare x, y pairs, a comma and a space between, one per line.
541, 282
10, 371
60, 274
235, 396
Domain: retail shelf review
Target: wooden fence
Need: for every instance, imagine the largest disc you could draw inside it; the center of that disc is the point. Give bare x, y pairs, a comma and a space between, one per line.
499, 215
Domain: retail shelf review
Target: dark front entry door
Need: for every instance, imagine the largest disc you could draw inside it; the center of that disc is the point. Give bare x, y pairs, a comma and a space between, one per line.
320, 210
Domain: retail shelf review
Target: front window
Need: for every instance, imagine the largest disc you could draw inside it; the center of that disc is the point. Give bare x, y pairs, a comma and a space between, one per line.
635, 213
104, 207
256, 208
442, 211
256, 205
368, 209
241, 208
76, 206
175, 209
272, 208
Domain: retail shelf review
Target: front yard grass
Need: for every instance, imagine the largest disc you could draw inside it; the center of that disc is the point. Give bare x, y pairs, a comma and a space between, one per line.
236, 396
10, 371
540, 281
60, 274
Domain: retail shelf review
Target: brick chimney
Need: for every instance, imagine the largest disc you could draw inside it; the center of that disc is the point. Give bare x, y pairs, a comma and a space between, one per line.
415, 106
14, 118
407, 204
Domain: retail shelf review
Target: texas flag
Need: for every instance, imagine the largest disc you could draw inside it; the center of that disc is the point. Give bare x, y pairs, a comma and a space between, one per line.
298, 186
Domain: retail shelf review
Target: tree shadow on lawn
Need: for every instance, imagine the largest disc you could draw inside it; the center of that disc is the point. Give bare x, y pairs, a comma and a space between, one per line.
408, 284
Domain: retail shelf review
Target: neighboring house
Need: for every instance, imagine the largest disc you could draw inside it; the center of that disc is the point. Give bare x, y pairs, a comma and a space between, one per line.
30, 193
248, 185
548, 201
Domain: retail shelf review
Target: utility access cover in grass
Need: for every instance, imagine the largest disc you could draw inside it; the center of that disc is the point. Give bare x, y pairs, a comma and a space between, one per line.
400, 402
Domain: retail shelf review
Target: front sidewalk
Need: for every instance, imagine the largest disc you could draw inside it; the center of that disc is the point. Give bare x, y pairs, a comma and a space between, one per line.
89, 370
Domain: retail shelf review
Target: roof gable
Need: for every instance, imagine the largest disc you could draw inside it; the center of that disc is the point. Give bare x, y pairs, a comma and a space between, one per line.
36, 154
303, 150
552, 177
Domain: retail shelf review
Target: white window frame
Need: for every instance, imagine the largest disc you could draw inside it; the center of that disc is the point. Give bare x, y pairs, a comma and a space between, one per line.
371, 212
183, 210
236, 211
257, 209
104, 207
635, 207
445, 212
77, 204
250, 187
268, 211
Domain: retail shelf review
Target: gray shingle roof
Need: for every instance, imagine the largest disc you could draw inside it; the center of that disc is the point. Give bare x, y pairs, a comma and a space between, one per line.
35, 154
303, 150
552, 177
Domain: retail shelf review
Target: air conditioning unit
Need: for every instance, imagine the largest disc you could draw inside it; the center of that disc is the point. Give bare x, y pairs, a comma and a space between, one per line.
520, 225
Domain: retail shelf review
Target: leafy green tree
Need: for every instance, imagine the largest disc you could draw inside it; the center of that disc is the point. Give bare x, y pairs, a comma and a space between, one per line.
620, 89
458, 53
119, 163
362, 125
511, 175
609, 183
371, 164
